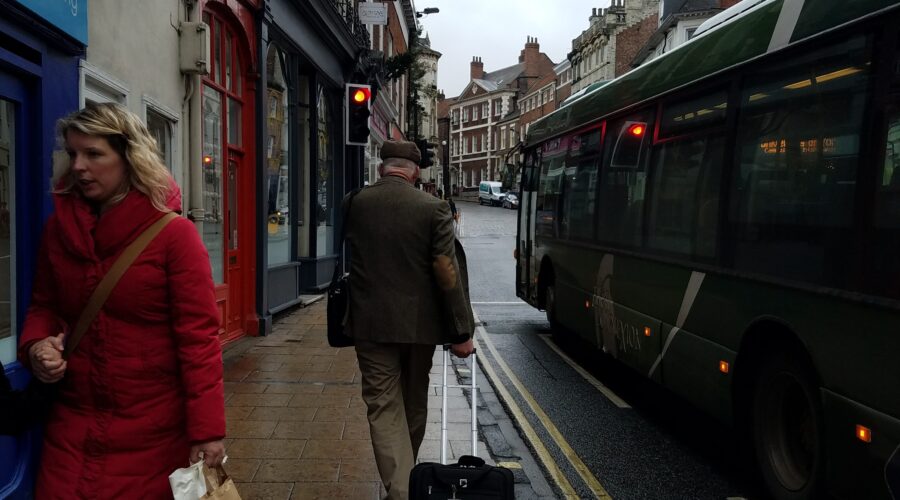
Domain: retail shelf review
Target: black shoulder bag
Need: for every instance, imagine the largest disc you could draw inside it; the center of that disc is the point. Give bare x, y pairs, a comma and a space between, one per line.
339, 292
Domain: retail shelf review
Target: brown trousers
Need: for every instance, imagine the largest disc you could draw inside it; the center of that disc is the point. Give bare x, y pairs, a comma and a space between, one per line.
395, 389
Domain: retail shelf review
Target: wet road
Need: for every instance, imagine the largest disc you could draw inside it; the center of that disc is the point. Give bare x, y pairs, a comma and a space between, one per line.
600, 429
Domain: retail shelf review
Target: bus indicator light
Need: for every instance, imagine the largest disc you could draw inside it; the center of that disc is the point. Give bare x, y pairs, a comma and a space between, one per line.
646, 331
636, 130
724, 366
863, 433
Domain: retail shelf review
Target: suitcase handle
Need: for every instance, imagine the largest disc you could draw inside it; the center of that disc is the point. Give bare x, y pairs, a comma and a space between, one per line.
471, 461
473, 402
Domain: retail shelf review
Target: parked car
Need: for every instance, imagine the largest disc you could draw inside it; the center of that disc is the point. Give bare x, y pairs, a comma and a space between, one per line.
490, 193
511, 201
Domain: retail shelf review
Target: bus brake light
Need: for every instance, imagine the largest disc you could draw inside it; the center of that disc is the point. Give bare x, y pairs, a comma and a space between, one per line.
863, 433
724, 366
636, 130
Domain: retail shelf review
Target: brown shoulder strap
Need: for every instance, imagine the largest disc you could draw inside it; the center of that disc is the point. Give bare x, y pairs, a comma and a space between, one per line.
109, 281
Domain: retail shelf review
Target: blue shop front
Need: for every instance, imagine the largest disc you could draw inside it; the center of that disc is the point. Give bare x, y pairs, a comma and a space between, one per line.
41, 43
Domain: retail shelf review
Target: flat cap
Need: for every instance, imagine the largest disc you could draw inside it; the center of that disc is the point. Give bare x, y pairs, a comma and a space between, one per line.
401, 149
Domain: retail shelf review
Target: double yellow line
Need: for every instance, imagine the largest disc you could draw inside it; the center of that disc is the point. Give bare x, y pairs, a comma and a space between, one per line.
543, 455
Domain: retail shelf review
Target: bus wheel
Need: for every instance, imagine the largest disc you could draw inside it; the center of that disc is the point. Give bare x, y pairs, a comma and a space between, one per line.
787, 428
550, 307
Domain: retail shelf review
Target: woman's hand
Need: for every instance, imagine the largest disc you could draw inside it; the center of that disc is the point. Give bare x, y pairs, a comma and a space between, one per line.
47, 362
212, 453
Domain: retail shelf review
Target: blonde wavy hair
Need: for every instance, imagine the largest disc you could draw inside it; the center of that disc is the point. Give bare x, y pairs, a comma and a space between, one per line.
129, 137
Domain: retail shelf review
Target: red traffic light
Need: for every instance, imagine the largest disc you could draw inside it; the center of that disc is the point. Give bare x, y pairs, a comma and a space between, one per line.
361, 95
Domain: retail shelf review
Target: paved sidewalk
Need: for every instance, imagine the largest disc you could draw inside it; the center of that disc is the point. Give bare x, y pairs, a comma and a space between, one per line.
297, 425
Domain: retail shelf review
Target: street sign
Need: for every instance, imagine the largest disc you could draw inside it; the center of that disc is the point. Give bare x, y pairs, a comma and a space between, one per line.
373, 13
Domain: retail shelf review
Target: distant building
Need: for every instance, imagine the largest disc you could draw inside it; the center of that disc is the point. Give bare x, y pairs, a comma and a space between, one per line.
678, 20
389, 108
593, 55
428, 100
475, 116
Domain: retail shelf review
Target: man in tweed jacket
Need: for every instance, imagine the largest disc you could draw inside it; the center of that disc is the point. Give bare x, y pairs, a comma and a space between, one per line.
406, 297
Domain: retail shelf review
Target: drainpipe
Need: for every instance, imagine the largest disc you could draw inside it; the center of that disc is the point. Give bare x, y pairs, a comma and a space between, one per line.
194, 151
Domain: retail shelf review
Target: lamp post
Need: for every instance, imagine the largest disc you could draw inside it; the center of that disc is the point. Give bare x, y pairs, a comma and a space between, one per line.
445, 165
428, 10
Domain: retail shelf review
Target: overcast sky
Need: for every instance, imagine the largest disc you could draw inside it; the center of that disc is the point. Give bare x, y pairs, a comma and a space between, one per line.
496, 31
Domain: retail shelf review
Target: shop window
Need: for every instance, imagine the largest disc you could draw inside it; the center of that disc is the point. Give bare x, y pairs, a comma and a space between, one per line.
278, 159
325, 195
7, 231
303, 181
213, 222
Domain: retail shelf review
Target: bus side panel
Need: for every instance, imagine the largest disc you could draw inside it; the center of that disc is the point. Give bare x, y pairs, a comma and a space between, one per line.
855, 469
654, 288
573, 266
629, 336
691, 367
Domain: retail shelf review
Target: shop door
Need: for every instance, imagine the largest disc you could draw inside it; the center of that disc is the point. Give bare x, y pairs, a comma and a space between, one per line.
228, 227
15, 454
234, 269
12, 106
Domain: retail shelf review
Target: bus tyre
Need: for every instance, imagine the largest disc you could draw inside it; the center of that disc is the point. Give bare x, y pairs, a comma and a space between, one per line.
550, 308
787, 428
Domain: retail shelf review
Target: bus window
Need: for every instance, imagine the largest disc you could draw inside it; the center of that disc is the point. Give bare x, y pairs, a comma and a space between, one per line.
884, 266
685, 196
550, 186
684, 213
682, 116
580, 186
797, 155
622, 181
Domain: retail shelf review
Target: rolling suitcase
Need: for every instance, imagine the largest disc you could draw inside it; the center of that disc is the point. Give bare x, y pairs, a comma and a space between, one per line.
470, 478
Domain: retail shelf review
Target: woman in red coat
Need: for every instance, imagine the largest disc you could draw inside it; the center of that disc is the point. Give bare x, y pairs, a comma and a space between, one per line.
142, 393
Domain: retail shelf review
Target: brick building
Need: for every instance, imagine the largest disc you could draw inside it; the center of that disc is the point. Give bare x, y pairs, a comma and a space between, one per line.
475, 116
677, 22
389, 108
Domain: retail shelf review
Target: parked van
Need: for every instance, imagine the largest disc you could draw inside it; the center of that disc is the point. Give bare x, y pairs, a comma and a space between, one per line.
489, 193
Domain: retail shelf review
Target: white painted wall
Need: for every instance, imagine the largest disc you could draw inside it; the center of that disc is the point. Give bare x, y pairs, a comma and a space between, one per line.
133, 58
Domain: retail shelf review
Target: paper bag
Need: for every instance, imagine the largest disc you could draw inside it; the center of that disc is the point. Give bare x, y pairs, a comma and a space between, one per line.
218, 485
188, 483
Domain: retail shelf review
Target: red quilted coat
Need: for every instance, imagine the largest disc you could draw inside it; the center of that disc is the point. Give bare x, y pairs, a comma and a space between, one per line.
145, 383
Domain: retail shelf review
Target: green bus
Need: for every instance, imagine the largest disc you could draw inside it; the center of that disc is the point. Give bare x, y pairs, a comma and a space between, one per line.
725, 219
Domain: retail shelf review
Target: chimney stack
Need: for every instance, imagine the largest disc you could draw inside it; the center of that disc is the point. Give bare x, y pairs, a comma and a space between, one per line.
531, 54
476, 69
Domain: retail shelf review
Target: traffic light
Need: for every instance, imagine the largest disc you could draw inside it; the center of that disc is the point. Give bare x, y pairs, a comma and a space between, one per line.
356, 119
427, 154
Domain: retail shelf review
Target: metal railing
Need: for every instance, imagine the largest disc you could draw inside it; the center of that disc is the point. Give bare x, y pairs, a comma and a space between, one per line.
348, 12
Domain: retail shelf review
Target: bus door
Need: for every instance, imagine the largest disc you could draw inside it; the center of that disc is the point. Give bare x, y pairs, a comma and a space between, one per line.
526, 285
